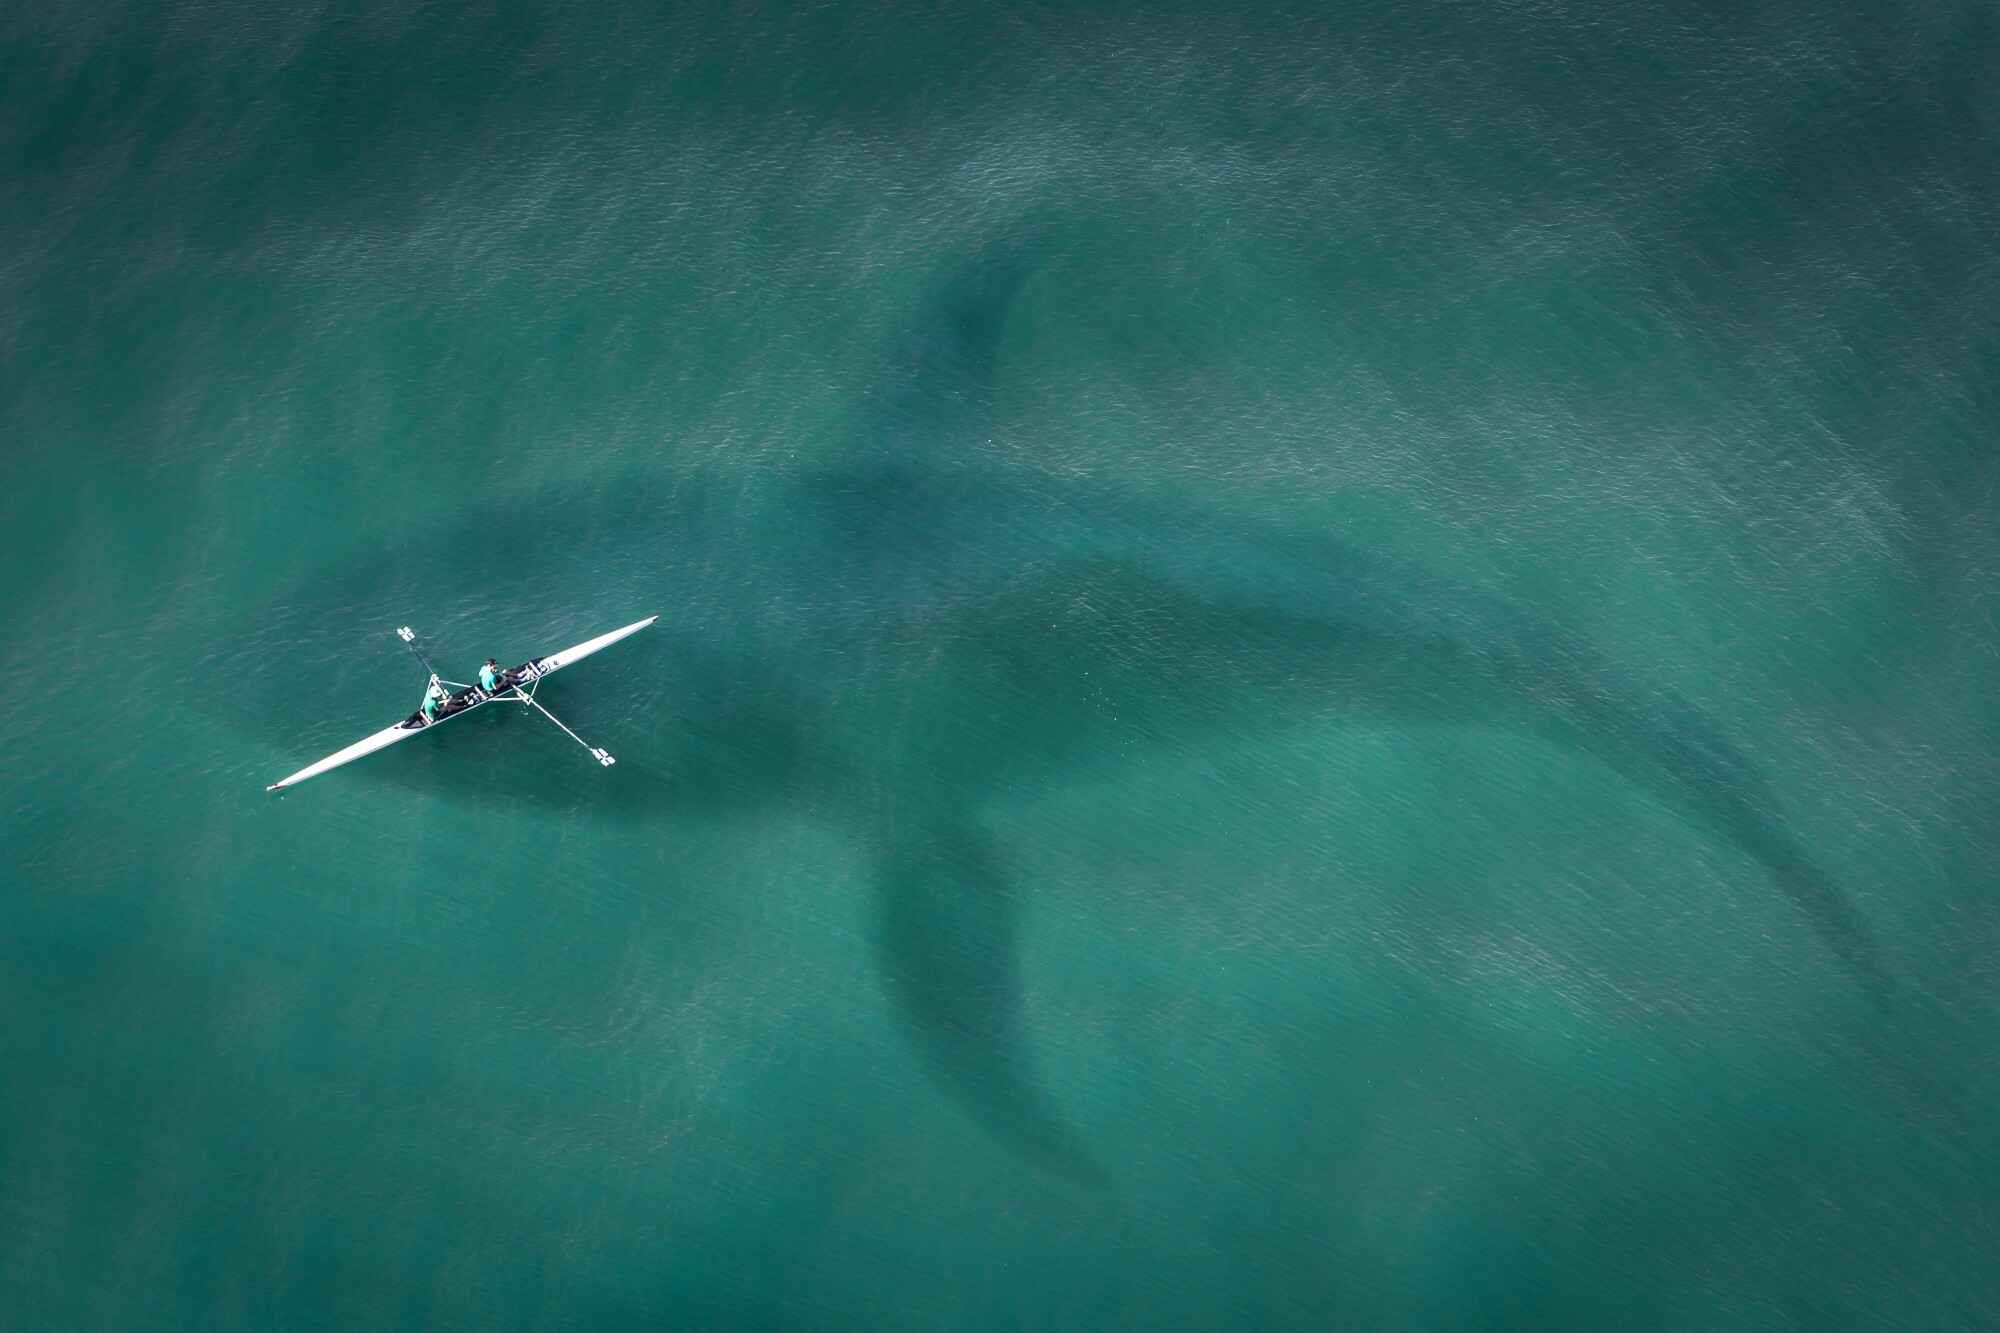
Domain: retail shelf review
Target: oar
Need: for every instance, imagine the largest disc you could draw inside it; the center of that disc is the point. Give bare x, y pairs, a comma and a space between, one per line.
409, 636
601, 756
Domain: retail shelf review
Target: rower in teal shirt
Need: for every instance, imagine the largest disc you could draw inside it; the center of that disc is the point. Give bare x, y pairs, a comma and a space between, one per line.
489, 675
433, 700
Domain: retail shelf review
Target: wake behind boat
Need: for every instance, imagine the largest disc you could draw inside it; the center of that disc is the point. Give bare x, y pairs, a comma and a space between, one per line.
515, 686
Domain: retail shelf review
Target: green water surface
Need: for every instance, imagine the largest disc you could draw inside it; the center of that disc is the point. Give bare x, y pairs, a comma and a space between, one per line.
1332, 668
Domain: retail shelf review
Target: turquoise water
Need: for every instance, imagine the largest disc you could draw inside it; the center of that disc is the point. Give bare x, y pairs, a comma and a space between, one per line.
1324, 669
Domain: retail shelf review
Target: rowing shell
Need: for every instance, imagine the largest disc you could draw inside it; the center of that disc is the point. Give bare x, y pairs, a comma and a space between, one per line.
463, 702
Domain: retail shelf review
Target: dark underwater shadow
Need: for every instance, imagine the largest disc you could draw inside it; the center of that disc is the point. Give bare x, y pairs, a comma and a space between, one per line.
799, 615
1174, 649
949, 922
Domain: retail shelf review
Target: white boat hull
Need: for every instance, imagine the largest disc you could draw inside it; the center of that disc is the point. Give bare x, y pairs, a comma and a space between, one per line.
467, 700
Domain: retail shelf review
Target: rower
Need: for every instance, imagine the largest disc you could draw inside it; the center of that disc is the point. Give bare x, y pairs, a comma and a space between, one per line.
433, 700
489, 675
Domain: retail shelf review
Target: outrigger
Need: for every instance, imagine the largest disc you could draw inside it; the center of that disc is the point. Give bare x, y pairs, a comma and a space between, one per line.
515, 686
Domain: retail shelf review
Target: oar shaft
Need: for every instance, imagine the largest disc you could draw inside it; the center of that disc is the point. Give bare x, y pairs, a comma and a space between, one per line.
530, 700
409, 636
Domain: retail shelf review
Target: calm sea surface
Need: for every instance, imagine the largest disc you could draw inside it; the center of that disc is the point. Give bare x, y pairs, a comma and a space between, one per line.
1334, 668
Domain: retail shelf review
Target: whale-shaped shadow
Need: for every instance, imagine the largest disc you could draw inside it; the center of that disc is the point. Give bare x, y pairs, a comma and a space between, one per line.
797, 617
1323, 618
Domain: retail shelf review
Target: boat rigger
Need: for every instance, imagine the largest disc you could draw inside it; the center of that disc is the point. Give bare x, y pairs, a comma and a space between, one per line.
513, 686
